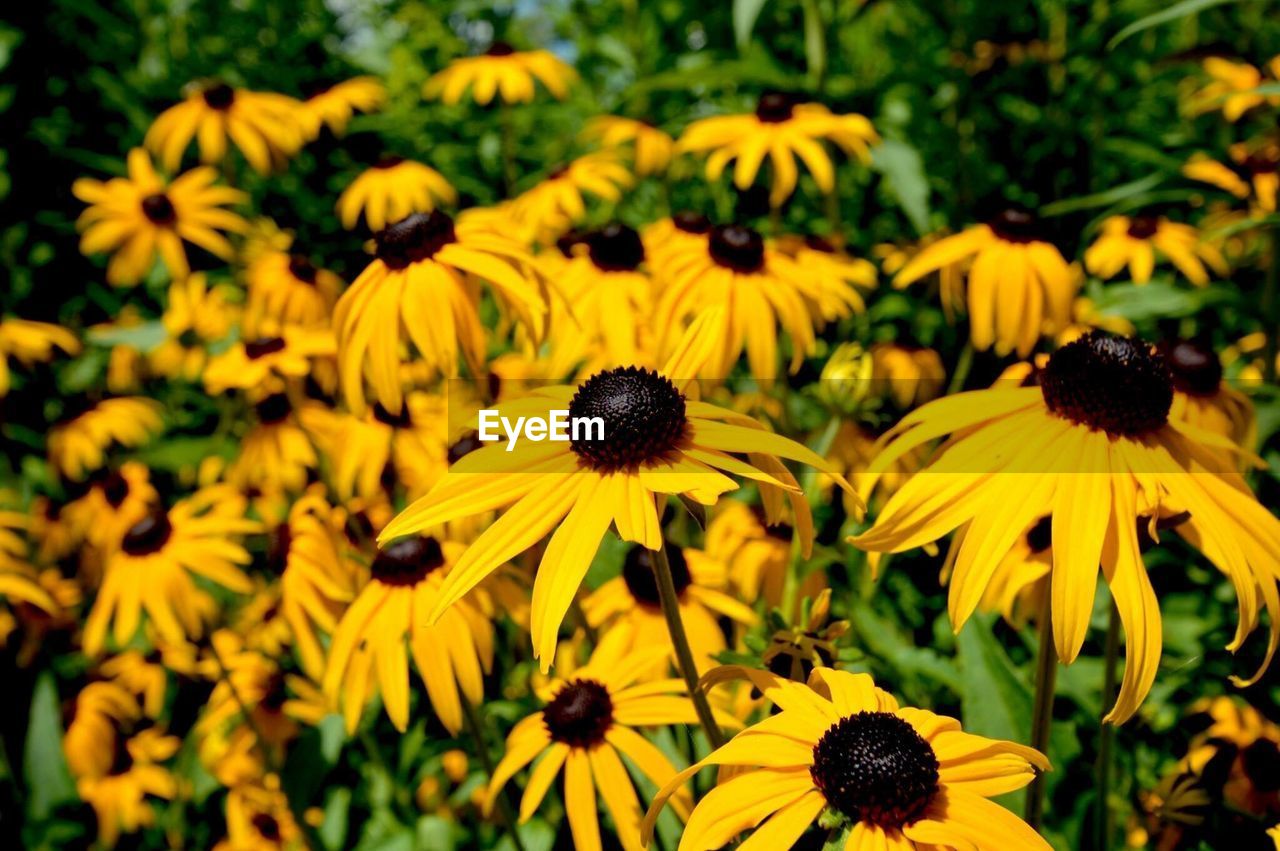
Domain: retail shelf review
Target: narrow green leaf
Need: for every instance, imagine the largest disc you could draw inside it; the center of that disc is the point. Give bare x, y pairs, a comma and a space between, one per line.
745, 13
144, 336
1173, 13
1106, 198
48, 781
903, 167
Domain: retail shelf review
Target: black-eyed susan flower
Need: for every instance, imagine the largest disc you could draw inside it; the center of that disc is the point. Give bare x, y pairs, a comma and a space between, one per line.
1236, 756
1231, 88
894, 256
503, 71
277, 453
1137, 241
390, 190
394, 609
153, 569
1093, 447
651, 148
265, 126
334, 105
839, 280
1202, 398
265, 364
587, 724
701, 583
28, 343
135, 218
782, 130
559, 201
673, 237
18, 580
896, 777
287, 289
259, 818
416, 292
906, 373
757, 286
196, 317
1253, 173
854, 449
655, 443
79, 444
756, 551
114, 501
1019, 285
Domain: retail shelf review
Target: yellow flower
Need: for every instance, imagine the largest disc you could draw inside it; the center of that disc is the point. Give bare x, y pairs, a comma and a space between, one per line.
154, 567
266, 127
277, 453
1094, 447
18, 580
651, 149
333, 106
79, 445
1202, 399
266, 363
390, 190
900, 778
138, 216
113, 503
1135, 241
586, 725
197, 315
1254, 170
910, 375
503, 71
287, 289
894, 256
259, 819
416, 291
559, 201
781, 129
452, 652
758, 555
673, 237
1019, 285
1231, 88
29, 343
632, 599
838, 278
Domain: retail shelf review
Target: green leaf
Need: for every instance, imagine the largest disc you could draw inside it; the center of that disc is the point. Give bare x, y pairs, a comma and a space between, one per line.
1264, 89
333, 830
180, 453
815, 42
903, 167
45, 767
1172, 13
1158, 300
144, 336
994, 697
745, 13
1111, 196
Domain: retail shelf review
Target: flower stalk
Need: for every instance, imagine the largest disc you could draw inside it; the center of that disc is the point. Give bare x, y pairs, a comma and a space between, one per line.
1042, 710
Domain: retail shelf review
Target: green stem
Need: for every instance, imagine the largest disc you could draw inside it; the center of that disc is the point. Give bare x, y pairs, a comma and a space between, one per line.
961, 373
1269, 306
1042, 710
834, 219
1107, 734
684, 653
809, 482
476, 728
507, 134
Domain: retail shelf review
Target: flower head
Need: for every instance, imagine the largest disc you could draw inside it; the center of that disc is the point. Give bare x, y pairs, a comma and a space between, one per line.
268, 128
501, 71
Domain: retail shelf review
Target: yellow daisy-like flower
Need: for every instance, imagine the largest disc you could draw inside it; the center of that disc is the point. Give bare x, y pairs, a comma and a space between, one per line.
451, 652
504, 71
287, 289
267, 363
1135, 242
30, 343
910, 375
259, 818
758, 287
781, 129
651, 148
112, 504
1254, 173
1093, 447
19, 582
673, 237
1019, 285
1202, 399
197, 315
839, 279
1241, 743
390, 190
587, 724
897, 777
138, 216
265, 126
277, 453
1231, 88
655, 443
854, 450
249, 680
416, 292
79, 445
632, 599
560, 200
154, 567
758, 554
333, 106
894, 257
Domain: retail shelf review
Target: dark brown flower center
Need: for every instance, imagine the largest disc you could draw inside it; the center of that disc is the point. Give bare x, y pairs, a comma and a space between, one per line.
500, 48
1016, 225
408, 562
148, 535
580, 714
1260, 163
1040, 538
642, 414
1144, 227
302, 268
121, 759
737, 247
1195, 367
1116, 384
775, 107
616, 248
159, 209
1261, 763
875, 767
263, 346
637, 572
464, 446
691, 222
219, 96
416, 237
400, 420
819, 243
115, 489
267, 826
279, 542
272, 409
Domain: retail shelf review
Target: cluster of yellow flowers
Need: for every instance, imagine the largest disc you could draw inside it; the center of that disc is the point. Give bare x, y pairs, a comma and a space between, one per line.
360, 523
